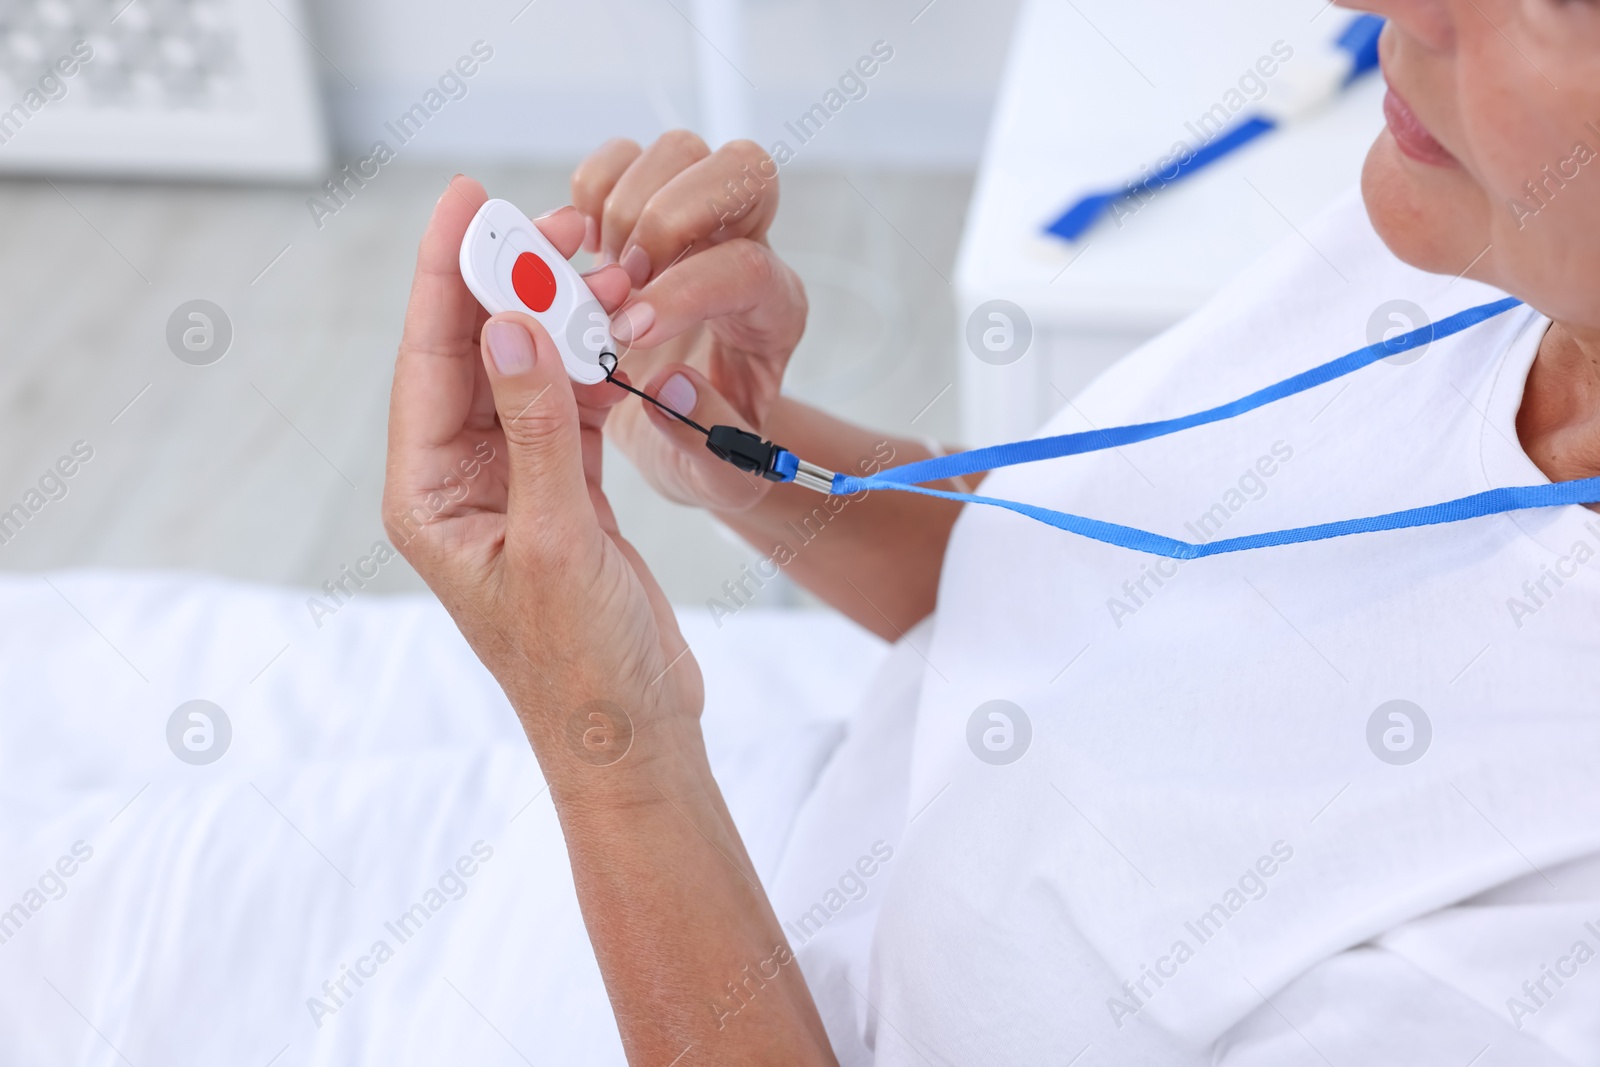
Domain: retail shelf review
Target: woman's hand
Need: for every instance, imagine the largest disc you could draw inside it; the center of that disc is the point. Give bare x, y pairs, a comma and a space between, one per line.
493, 494
709, 329
716, 314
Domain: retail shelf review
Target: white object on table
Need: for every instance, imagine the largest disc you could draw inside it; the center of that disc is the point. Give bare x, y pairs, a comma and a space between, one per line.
1093, 93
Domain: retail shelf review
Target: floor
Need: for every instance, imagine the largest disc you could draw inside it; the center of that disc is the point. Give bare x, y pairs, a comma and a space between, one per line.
268, 464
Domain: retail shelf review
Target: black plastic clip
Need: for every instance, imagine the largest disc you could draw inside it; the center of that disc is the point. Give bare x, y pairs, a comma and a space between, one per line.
749, 453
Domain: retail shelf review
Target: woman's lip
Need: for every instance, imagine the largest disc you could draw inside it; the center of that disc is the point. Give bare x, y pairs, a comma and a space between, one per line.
1412, 136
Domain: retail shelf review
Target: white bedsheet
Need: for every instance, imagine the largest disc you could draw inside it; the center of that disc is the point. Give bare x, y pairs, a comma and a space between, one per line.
369, 757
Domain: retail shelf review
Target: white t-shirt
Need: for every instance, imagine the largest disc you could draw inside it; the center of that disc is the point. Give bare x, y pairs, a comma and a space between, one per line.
1223, 843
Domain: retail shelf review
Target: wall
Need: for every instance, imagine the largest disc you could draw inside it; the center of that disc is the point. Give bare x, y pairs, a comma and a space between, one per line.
566, 74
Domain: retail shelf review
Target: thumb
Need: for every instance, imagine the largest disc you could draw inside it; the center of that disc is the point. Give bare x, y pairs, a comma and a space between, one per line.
539, 417
688, 392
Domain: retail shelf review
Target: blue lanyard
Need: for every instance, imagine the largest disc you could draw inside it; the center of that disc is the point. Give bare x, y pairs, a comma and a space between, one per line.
1359, 42
1492, 502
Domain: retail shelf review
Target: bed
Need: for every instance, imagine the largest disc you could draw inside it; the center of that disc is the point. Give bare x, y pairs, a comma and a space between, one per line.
371, 871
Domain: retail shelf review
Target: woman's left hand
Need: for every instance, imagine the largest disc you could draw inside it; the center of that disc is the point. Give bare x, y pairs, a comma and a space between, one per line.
493, 495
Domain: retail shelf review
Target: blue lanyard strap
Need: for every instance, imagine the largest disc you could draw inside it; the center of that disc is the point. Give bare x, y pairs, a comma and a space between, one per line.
1494, 501
994, 457
1490, 502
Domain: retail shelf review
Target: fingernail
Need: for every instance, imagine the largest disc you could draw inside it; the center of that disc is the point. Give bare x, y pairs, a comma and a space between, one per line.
510, 347
678, 394
591, 234
632, 322
636, 261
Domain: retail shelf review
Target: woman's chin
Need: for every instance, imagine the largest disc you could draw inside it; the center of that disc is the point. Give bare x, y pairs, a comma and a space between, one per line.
1422, 213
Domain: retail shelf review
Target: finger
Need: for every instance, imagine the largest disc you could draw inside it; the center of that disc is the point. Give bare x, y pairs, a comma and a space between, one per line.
434, 374
672, 152
601, 396
596, 176
563, 227
610, 285
552, 500
594, 404
740, 278
688, 392
731, 193
554, 447
546, 492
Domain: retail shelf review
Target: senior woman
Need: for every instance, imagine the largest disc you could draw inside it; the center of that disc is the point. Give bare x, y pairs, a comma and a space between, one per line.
1331, 802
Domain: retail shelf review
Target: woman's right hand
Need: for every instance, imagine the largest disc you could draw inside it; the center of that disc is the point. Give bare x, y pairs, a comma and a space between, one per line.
689, 228
714, 314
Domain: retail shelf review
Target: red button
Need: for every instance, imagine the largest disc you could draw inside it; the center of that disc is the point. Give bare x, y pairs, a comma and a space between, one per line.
534, 282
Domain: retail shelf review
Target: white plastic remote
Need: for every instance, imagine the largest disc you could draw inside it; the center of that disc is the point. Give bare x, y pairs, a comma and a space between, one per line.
510, 266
